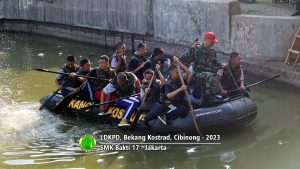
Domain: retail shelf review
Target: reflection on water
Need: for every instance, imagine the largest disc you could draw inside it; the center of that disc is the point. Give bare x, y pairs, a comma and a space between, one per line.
40, 139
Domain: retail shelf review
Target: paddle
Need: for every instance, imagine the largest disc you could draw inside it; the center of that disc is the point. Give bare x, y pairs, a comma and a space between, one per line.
111, 101
43, 105
88, 77
187, 50
137, 114
189, 102
181, 56
257, 83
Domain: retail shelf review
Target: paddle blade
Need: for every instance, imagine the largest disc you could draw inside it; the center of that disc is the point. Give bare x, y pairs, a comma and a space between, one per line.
40, 69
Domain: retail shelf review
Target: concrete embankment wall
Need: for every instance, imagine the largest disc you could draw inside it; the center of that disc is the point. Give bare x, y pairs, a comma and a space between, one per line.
263, 37
171, 24
175, 21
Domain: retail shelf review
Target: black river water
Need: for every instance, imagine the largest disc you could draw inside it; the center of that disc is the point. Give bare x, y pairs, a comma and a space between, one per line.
30, 138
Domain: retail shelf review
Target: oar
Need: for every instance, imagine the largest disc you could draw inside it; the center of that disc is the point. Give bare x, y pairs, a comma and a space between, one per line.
88, 77
137, 114
187, 50
181, 56
257, 83
111, 101
189, 103
43, 105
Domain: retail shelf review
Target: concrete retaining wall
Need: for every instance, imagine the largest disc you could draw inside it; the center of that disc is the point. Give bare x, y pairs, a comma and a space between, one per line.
266, 37
175, 21
171, 24
117, 15
183, 21
1, 9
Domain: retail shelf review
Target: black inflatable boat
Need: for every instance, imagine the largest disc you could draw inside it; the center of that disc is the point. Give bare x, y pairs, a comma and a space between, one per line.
227, 114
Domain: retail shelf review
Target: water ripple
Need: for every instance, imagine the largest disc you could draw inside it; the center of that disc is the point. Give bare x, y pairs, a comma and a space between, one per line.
38, 161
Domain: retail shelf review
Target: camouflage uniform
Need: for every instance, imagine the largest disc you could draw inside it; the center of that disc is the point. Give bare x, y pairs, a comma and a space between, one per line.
205, 67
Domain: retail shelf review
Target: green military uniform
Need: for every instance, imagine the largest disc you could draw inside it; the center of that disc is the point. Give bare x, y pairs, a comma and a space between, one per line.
205, 67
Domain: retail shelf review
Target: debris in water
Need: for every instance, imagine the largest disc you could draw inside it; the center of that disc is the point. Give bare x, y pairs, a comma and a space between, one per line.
41, 55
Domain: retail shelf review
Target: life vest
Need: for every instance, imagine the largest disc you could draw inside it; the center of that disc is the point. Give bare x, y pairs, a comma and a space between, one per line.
226, 81
65, 80
128, 88
80, 72
140, 60
123, 66
154, 95
100, 84
173, 85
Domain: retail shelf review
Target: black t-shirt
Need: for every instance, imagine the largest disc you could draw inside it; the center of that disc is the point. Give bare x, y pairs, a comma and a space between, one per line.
170, 86
135, 62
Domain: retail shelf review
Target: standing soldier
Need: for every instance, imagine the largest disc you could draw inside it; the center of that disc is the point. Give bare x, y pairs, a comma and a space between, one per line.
118, 59
205, 65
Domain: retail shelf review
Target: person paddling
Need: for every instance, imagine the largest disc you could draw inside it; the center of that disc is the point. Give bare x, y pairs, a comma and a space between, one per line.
85, 69
66, 83
232, 70
125, 84
101, 72
137, 63
173, 100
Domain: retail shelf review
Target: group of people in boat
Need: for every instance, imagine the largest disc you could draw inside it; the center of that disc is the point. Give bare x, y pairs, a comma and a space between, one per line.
155, 80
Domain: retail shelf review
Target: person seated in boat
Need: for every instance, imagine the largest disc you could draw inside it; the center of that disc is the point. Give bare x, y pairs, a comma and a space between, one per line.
137, 63
101, 72
205, 66
85, 68
118, 59
66, 83
157, 57
231, 75
151, 93
124, 85
173, 97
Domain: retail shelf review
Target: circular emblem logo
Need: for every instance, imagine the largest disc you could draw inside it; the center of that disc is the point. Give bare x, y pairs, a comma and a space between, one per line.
87, 143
